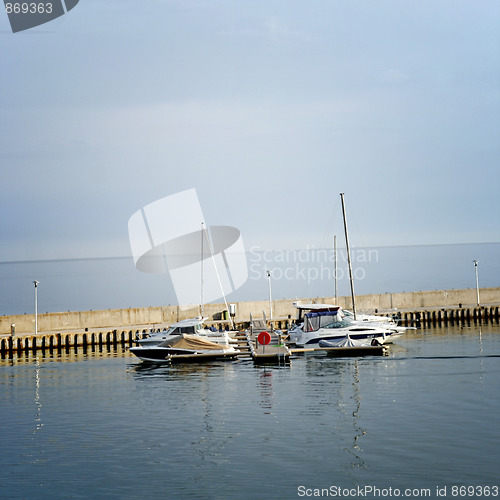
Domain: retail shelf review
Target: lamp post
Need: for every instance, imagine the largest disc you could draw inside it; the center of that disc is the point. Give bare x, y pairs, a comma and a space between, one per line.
475, 262
270, 302
36, 306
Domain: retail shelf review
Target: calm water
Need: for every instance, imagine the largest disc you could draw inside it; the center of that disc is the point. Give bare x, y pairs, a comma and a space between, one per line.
103, 425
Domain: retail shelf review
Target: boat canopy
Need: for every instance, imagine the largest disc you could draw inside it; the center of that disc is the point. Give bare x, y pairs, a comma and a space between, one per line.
322, 319
189, 326
194, 342
303, 309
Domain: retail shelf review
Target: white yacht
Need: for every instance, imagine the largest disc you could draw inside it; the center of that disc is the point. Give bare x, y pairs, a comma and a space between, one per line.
330, 324
369, 320
193, 326
184, 348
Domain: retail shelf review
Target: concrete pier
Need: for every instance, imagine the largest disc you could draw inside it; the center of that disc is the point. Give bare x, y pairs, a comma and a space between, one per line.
159, 317
99, 328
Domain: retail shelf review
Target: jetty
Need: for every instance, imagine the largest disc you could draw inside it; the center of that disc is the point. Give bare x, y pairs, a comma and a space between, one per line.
105, 328
266, 345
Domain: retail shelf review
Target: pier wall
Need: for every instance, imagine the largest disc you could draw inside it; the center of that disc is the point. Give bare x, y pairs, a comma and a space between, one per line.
155, 317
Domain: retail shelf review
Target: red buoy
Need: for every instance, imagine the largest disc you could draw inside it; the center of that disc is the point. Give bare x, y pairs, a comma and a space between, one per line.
264, 338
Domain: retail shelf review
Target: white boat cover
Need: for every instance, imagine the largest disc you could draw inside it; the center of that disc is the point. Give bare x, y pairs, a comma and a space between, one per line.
347, 341
194, 342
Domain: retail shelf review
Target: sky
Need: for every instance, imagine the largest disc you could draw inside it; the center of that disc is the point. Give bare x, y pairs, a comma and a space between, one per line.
269, 109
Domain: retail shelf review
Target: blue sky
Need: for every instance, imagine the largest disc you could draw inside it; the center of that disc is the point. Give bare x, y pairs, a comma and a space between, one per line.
269, 109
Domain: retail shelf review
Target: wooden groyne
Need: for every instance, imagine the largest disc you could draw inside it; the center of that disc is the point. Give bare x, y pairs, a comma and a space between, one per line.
65, 341
461, 315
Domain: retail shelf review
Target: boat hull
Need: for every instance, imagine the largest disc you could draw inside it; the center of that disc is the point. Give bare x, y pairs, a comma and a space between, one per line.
173, 355
312, 339
356, 351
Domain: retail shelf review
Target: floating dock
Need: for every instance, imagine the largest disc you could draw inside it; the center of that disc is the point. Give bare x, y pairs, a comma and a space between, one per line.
276, 352
266, 346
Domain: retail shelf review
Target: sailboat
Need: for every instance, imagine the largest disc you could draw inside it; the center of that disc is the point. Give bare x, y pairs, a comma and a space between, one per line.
330, 323
182, 337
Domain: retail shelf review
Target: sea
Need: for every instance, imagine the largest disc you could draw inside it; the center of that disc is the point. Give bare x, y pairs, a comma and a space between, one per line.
98, 423
83, 284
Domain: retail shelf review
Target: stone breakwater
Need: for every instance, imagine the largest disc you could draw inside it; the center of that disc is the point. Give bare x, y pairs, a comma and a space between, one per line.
423, 305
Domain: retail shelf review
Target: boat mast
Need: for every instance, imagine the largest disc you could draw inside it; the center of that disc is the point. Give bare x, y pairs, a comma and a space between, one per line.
335, 266
270, 301
201, 297
348, 255
210, 247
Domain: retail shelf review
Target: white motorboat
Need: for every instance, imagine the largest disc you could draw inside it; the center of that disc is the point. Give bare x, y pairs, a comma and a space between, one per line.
364, 318
184, 348
193, 326
392, 330
331, 325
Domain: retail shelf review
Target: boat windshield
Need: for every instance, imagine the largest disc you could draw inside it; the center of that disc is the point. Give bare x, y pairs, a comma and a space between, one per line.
315, 320
179, 330
339, 324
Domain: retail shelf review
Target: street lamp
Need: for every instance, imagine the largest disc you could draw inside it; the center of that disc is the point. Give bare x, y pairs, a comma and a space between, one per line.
270, 302
36, 306
477, 282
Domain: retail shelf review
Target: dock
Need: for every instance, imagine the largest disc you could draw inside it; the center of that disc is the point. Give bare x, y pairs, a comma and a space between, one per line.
60, 332
275, 352
266, 345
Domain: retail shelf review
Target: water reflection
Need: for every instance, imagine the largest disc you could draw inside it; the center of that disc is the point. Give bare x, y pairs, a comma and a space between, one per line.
266, 390
179, 370
67, 354
38, 403
334, 391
